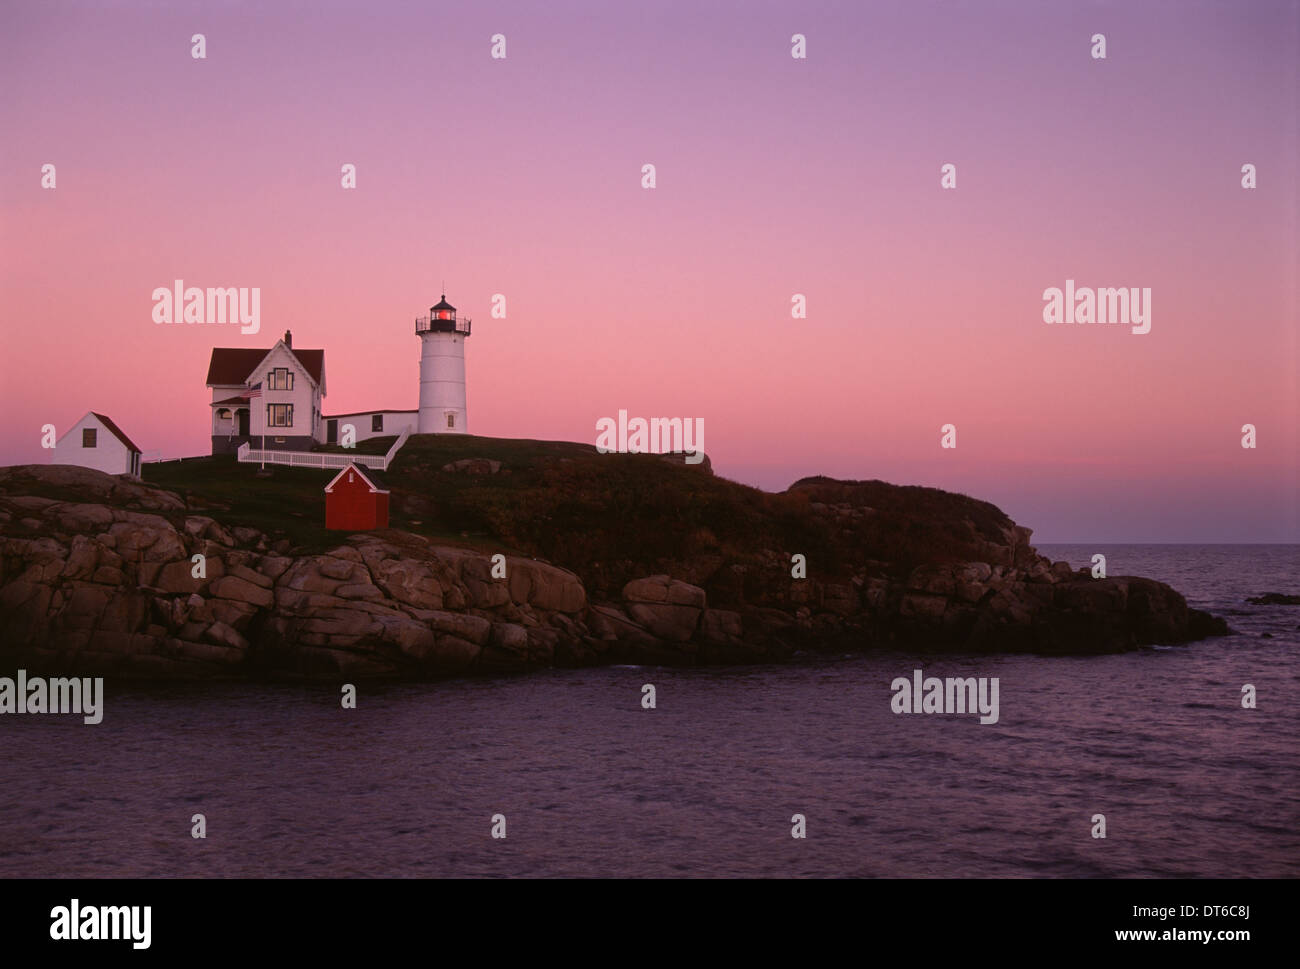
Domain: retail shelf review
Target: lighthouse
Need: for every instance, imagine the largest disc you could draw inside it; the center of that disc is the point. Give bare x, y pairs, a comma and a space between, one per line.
442, 370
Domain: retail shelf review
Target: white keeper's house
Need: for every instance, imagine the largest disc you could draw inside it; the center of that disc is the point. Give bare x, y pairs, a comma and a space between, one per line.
275, 392
278, 393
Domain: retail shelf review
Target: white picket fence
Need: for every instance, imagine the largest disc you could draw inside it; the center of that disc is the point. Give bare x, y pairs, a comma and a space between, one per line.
318, 459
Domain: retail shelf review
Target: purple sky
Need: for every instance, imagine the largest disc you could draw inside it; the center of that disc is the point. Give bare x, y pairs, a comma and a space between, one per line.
775, 176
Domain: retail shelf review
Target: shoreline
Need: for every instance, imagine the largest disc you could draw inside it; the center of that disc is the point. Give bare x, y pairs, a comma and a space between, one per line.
137, 582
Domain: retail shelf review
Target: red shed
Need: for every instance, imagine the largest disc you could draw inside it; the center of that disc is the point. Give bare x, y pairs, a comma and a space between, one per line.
356, 500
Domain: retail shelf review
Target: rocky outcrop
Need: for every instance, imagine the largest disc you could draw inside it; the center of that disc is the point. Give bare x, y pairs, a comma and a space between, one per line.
91, 587
1274, 599
1045, 608
118, 577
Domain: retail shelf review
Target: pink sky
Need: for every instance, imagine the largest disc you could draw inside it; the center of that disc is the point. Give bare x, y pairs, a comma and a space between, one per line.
775, 176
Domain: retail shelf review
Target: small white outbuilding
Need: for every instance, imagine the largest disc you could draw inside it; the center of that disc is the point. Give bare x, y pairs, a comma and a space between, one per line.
96, 442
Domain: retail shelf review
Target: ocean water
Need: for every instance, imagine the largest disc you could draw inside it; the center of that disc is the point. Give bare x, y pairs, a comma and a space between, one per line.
706, 784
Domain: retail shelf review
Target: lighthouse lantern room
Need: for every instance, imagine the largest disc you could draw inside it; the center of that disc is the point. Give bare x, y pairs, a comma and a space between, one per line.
442, 370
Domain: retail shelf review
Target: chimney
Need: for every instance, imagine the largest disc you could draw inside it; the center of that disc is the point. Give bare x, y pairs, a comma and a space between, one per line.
288, 339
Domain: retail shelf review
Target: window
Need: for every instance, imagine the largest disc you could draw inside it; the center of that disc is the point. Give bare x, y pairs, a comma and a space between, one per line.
223, 413
377, 422
451, 420
88, 435
279, 415
279, 379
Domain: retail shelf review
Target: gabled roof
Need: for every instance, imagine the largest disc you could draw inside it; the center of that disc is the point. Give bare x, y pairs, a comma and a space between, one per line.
374, 477
367, 475
231, 366
115, 431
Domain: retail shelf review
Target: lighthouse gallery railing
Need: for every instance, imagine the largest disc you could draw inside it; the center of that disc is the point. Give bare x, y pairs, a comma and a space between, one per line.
425, 324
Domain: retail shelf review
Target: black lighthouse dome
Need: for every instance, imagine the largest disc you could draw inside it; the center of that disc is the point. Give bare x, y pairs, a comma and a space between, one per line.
442, 310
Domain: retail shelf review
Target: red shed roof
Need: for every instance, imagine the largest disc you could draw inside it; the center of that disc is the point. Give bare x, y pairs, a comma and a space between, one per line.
115, 431
368, 476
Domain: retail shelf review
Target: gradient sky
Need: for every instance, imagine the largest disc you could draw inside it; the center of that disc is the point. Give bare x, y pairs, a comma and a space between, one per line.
775, 176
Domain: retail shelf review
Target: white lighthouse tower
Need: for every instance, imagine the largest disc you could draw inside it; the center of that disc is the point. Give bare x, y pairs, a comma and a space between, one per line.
442, 370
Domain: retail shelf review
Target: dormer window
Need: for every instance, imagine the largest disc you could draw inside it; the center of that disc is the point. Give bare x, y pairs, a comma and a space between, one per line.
281, 378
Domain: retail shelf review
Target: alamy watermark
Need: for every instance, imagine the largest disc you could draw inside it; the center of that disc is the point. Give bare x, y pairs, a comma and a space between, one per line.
1129, 306
658, 435
82, 695
190, 304
73, 922
952, 695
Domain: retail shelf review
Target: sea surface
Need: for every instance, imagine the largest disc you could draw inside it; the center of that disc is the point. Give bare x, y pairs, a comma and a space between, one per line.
705, 784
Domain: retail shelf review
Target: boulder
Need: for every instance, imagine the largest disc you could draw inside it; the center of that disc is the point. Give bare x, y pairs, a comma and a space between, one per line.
933, 579
508, 636
241, 590
451, 654
176, 578
248, 575
545, 586
83, 555
359, 590
108, 575
412, 638
662, 589
473, 629
923, 605
246, 536
308, 574
668, 609
223, 635
721, 626
146, 537
334, 566
611, 624
274, 566
408, 581
671, 622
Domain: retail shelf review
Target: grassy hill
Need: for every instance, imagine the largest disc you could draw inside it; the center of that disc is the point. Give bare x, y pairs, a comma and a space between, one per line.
608, 517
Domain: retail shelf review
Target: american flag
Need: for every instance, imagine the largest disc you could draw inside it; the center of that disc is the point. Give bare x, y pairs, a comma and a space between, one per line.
256, 391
